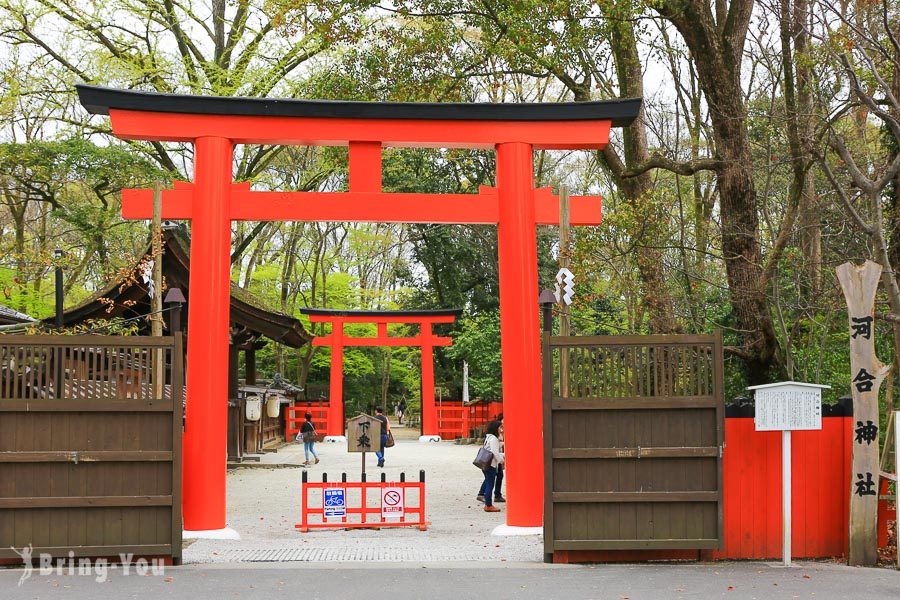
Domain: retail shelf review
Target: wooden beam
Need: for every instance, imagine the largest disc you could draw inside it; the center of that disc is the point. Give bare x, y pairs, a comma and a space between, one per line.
594, 497
84, 501
313, 131
667, 544
375, 342
635, 403
700, 451
80, 456
360, 206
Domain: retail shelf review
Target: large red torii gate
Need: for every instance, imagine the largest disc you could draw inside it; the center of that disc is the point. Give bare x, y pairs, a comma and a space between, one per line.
337, 340
215, 124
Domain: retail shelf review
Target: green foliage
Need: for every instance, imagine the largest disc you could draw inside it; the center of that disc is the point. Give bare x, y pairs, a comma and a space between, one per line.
479, 344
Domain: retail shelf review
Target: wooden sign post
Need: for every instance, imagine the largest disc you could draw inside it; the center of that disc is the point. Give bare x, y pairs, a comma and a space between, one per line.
785, 407
860, 284
363, 435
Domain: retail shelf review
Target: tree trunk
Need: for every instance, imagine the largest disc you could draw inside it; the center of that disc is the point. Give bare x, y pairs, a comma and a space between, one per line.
638, 190
716, 48
798, 98
18, 216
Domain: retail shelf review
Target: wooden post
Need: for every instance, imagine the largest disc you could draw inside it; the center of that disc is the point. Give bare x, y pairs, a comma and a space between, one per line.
250, 365
564, 263
156, 303
860, 284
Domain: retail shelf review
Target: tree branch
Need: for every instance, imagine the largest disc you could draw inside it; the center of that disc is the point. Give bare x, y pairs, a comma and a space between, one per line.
868, 228
658, 161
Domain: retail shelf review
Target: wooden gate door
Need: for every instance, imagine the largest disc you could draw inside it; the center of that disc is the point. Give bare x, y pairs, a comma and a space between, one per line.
90, 445
633, 437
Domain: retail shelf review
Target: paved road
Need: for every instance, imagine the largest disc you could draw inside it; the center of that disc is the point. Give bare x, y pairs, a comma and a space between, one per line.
735, 581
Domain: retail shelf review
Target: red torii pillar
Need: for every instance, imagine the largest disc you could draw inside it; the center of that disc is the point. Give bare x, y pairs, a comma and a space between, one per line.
214, 125
337, 340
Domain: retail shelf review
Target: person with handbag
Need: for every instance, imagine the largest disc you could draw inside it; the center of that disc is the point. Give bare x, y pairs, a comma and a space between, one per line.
385, 434
492, 444
498, 482
308, 435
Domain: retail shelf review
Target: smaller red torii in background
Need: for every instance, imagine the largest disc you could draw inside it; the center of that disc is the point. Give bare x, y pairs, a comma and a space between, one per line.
337, 341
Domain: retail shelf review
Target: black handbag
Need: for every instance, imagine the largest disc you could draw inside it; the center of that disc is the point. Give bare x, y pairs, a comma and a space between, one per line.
483, 459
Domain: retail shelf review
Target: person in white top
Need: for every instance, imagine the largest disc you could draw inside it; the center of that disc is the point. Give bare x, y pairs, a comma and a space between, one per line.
498, 483
492, 443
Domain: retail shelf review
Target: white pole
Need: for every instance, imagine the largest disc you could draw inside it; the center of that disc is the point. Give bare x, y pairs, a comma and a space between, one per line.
465, 398
786, 496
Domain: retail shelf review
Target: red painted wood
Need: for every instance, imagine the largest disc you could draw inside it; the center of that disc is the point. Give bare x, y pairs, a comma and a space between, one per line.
363, 511
382, 319
336, 381
206, 416
520, 334
365, 166
884, 514
429, 409
456, 420
338, 341
306, 131
213, 201
295, 415
752, 487
362, 206
384, 341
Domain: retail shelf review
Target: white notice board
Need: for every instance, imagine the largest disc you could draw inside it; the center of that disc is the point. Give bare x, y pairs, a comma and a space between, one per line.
788, 407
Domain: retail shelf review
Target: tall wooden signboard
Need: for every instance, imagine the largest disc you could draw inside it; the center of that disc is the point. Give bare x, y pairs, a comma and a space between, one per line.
860, 284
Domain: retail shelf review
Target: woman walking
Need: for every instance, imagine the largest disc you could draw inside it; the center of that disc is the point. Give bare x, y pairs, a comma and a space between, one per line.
308, 434
385, 433
492, 443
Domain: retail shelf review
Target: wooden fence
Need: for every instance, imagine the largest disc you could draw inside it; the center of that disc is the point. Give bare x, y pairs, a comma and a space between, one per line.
456, 420
90, 445
633, 437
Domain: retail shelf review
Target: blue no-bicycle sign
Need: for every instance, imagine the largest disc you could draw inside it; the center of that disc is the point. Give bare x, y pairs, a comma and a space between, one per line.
335, 502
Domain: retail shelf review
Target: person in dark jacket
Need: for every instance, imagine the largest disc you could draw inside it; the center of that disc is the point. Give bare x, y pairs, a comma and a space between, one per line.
308, 435
385, 428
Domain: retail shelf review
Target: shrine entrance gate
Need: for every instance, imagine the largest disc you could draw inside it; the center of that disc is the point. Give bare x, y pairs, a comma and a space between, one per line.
633, 441
215, 125
337, 340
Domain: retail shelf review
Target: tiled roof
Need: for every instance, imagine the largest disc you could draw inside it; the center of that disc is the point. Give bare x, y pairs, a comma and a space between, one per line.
9, 316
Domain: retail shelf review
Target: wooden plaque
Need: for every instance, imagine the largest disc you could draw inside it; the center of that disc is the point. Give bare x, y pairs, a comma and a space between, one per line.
363, 434
860, 284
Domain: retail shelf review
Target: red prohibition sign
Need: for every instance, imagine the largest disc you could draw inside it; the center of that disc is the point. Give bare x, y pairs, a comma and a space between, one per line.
392, 498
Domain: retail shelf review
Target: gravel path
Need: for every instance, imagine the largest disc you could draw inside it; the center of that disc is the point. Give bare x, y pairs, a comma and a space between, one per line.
264, 504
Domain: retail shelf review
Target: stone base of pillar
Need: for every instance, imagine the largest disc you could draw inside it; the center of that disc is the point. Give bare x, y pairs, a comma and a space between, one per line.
226, 533
505, 530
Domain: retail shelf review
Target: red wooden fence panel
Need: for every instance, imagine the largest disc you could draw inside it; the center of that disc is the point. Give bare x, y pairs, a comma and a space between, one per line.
458, 421
752, 479
294, 417
752, 485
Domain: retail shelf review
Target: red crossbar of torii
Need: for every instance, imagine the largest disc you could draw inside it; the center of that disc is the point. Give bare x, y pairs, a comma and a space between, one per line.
214, 125
337, 340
